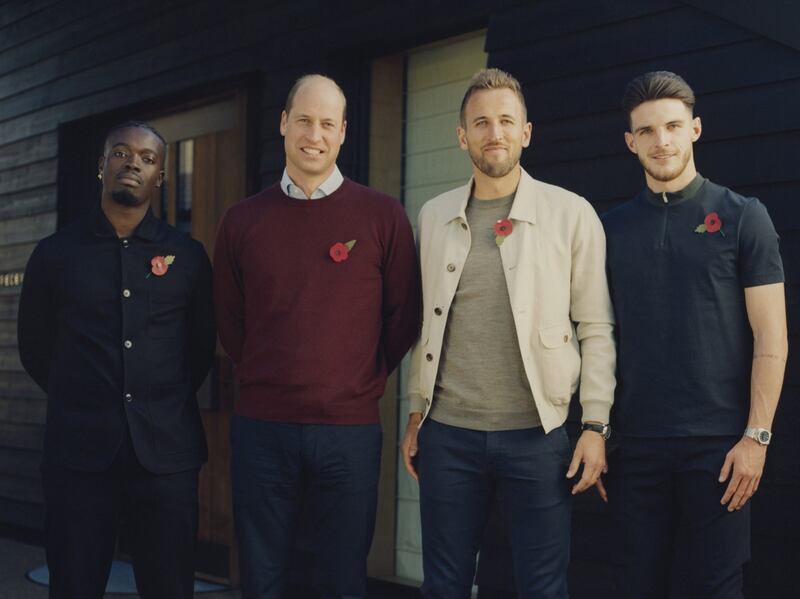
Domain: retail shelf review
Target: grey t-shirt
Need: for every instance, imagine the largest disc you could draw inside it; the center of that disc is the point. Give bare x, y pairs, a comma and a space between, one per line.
481, 382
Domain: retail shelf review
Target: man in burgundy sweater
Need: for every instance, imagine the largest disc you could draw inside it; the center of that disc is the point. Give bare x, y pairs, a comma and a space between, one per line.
317, 296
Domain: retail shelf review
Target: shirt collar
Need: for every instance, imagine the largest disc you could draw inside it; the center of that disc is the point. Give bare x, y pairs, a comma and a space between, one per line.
326, 188
673, 198
147, 229
523, 208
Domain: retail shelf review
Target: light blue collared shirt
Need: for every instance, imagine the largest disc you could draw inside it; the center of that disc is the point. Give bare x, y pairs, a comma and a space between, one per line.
327, 187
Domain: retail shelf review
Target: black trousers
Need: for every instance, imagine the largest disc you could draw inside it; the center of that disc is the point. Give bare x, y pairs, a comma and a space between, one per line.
83, 513
665, 495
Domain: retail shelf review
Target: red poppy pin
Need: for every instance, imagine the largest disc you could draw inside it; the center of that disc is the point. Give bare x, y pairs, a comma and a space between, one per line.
159, 265
502, 229
340, 252
711, 224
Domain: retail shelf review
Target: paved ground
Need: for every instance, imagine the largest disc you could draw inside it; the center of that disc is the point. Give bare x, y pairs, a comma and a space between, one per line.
16, 559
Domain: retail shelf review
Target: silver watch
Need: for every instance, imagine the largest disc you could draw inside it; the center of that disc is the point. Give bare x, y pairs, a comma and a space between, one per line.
760, 435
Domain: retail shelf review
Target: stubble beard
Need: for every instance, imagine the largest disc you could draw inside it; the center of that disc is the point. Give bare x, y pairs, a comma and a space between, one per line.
125, 197
664, 175
495, 170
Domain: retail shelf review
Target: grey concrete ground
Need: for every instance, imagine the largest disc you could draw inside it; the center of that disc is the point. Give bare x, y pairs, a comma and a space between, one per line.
16, 559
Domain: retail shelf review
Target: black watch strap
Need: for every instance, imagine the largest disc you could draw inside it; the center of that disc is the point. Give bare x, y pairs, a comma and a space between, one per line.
603, 429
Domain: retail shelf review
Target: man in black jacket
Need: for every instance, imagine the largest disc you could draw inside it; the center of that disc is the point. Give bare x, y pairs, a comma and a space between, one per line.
116, 325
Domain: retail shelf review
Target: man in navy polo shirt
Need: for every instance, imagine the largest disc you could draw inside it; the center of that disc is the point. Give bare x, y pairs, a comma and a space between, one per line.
697, 284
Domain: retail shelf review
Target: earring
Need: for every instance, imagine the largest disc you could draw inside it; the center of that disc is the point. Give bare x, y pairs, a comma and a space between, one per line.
99, 176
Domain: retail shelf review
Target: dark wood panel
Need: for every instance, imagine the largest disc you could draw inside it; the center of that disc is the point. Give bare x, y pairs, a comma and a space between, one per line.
18, 385
19, 513
20, 463
733, 66
8, 306
25, 489
23, 411
28, 176
790, 250
27, 228
210, 37
624, 42
16, 11
44, 21
21, 436
15, 257
9, 359
60, 51
781, 203
8, 334
542, 20
28, 202
34, 149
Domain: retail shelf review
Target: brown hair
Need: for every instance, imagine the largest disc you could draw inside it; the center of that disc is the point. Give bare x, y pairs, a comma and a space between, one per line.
492, 79
305, 79
657, 85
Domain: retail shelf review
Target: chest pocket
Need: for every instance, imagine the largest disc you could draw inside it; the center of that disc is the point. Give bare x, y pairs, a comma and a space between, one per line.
166, 314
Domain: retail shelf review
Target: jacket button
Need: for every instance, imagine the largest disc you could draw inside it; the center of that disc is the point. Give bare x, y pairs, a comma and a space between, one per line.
566, 338
451, 267
464, 226
437, 311
128, 344
125, 243
126, 293
429, 357
128, 397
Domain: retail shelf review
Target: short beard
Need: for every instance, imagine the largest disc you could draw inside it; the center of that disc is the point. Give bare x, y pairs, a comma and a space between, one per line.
123, 197
494, 170
666, 176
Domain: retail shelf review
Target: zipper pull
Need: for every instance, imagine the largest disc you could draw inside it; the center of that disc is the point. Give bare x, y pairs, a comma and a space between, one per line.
664, 195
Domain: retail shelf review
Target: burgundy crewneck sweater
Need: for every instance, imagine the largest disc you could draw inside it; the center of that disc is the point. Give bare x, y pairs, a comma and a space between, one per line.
314, 339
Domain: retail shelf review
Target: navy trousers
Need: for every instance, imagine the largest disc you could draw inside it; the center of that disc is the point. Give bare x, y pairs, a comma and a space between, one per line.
665, 496
83, 514
460, 471
328, 471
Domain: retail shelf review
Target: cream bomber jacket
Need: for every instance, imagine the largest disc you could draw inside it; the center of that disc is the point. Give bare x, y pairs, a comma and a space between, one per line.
554, 265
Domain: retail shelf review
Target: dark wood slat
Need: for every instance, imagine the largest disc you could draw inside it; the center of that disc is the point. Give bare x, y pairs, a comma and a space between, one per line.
542, 20
21, 436
8, 334
18, 513
28, 202
23, 411
8, 306
16, 11
27, 228
21, 489
28, 176
740, 65
9, 359
46, 20
15, 257
20, 463
628, 41
34, 149
18, 385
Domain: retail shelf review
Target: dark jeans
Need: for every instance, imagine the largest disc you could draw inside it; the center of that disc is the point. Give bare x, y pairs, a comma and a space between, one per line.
82, 520
665, 495
279, 467
459, 471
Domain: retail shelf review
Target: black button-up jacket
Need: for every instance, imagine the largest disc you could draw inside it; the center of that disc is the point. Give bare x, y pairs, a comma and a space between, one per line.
112, 343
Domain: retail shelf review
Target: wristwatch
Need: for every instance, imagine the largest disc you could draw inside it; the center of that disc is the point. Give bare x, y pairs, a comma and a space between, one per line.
760, 435
603, 429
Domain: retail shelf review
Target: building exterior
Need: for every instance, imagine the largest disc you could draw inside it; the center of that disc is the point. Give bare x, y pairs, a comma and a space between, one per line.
213, 77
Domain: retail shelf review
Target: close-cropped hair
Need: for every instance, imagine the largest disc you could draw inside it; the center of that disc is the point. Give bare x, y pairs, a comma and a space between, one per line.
305, 79
657, 85
137, 125
492, 79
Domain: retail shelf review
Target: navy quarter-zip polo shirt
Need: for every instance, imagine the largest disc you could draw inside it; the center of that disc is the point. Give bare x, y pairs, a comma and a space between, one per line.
678, 264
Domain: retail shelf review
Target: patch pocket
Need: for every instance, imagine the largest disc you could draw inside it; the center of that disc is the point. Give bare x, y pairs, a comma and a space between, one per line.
166, 317
561, 361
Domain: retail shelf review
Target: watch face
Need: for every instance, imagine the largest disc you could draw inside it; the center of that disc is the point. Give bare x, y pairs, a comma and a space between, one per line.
764, 437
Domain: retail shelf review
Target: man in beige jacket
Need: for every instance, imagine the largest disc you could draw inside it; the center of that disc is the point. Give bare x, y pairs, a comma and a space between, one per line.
517, 316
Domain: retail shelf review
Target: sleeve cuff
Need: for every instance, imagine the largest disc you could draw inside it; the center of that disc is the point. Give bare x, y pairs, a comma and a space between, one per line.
417, 403
596, 410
